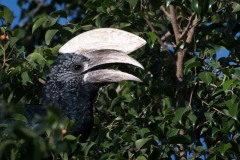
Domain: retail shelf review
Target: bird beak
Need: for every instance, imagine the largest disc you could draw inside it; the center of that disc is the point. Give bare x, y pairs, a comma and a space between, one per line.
105, 46
103, 57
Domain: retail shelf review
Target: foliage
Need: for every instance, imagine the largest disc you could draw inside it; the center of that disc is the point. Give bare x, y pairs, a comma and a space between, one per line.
162, 117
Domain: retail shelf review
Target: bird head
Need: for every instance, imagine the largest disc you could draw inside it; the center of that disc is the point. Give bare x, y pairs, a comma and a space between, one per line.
74, 78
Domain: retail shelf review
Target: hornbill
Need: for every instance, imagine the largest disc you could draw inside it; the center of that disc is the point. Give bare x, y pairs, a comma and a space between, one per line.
76, 75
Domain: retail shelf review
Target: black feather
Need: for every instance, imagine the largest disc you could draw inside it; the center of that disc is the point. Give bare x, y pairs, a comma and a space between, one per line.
66, 90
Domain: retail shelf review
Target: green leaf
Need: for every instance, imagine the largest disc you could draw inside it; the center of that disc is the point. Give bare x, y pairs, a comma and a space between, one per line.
236, 7
56, 49
192, 63
38, 23
179, 113
19, 117
8, 15
140, 142
51, 21
25, 78
141, 158
49, 35
206, 77
227, 84
232, 105
87, 147
199, 149
26, 132
209, 116
172, 132
153, 38
133, 3
126, 137
192, 118
6, 145
124, 25
117, 100
70, 137
36, 57
224, 147
196, 6
216, 18
13, 41
86, 27
180, 139
106, 144
144, 132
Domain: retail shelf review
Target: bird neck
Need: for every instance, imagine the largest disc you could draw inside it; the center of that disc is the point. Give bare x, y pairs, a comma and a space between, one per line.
75, 103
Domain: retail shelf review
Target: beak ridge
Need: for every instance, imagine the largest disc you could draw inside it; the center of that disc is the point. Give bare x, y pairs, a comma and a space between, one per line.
101, 57
108, 75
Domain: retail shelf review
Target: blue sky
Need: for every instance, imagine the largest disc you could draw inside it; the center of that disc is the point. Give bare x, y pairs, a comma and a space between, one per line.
12, 5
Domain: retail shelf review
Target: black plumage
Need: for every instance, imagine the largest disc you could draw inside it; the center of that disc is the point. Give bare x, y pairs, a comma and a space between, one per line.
65, 88
74, 78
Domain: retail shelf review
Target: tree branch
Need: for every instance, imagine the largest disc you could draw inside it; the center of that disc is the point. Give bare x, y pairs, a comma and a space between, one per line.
165, 12
188, 26
181, 53
174, 23
166, 36
182, 149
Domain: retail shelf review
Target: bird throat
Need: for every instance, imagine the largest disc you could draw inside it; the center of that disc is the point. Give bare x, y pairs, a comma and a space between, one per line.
75, 102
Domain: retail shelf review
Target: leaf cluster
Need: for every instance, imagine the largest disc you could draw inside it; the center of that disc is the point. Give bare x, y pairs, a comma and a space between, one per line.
160, 118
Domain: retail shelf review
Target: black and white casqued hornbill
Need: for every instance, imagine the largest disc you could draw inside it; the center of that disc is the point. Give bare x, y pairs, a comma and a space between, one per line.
76, 75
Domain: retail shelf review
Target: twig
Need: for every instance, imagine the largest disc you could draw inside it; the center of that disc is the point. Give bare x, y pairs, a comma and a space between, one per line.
191, 31
218, 110
154, 31
191, 95
188, 26
164, 11
41, 81
165, 36
4, 56
164, 47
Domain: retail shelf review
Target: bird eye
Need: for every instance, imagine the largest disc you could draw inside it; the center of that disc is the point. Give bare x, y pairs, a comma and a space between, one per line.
76, 67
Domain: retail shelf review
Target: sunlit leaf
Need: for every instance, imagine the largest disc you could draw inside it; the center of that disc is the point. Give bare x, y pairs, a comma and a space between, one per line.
70, 137
25, 78
196, 6
49, 35
236, 7
140, 142
224, 147
8, 14
206, 77
141, 158
38, 23
133, 3
179, 114
153, 37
